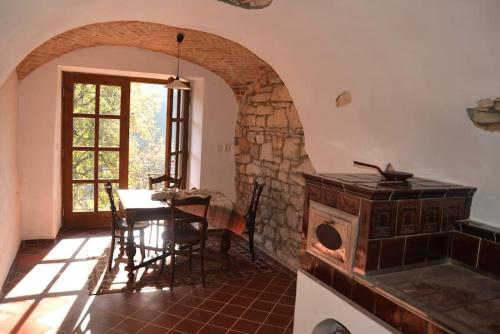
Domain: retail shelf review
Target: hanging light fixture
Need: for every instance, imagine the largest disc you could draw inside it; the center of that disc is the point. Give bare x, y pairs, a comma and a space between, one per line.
176, 83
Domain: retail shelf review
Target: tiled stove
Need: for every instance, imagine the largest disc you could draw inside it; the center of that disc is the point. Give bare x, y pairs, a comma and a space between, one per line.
400, 223
417, 263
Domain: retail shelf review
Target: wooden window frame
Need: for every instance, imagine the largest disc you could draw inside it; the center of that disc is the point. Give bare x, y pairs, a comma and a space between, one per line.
68, 80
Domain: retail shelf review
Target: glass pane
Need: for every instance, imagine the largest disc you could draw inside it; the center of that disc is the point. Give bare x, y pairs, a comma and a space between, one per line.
180, 125
174, 104
109, 132
174, 136
148, 119
181, 109
110, 100
83, 197
84, 99
103, 198
83, 132
172, 166
83, 165
179, 166
109, 165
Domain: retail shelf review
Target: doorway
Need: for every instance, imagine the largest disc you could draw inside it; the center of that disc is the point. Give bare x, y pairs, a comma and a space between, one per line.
118, 129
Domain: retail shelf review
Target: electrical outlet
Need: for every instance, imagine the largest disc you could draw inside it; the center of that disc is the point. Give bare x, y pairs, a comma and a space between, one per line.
227, 147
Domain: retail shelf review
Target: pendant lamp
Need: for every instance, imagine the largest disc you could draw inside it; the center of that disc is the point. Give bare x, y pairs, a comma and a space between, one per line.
176, 83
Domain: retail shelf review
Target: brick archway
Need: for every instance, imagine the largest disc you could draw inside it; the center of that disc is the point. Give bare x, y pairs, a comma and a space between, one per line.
269, 139
234, 63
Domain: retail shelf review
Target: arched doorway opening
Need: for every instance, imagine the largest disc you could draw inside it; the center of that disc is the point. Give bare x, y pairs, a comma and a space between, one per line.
269, 139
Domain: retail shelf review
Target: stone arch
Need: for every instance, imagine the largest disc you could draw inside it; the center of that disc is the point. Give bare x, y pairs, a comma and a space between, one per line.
232, 62
269, 139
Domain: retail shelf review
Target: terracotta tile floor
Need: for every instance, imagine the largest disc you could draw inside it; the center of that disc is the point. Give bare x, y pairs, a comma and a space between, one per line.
46, 293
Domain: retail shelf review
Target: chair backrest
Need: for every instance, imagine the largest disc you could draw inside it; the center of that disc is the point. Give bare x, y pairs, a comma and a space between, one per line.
177, 183
254, 202
201, 201
109, 190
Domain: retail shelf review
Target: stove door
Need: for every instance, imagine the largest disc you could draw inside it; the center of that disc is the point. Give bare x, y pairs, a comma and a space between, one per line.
329, 235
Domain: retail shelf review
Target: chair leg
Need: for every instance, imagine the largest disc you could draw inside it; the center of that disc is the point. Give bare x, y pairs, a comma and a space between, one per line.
150, 233
190, 266
251, 230
141, 245
122, 243
172, 264
111, 251
157, 232
163, 252
202, 262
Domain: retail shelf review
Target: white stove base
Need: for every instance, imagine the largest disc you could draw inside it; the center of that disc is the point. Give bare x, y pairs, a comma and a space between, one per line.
315, 303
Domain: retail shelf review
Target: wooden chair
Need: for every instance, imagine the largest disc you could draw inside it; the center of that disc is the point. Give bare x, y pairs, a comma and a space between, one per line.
251, 214
179, 230
169, 182
119, 227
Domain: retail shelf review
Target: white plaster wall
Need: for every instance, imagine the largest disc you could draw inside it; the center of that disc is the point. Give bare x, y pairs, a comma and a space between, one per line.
412, 67
315, 303
9, 199
39, 127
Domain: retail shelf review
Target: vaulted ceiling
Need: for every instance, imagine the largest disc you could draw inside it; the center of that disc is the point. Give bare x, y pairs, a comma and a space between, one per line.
231, 61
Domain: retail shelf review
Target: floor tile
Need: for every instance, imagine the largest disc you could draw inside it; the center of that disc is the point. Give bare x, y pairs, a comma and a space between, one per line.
246, 326
188, 326
240, 305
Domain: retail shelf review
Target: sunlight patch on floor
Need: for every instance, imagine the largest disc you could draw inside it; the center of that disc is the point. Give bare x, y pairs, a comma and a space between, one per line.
36, 281
64, 249
52, 311
74, 276
94, 247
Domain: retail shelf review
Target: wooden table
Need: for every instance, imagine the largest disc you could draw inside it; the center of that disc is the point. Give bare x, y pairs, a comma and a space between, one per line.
137, 205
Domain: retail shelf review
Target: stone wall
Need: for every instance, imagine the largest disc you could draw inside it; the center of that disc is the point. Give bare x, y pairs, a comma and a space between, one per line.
270, 149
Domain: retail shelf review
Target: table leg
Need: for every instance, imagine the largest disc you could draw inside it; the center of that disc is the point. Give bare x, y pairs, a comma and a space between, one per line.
225, 242
130, 247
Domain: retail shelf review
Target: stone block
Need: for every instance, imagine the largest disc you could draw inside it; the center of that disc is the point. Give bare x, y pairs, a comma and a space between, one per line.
280, 93
249, 110
260, 121
278, 142
264, 110
294, 119
244, 145
291, 149
266, 152
262, 97
281, 118
249, 120
270, 121
254, 151
297, 202
282, 176
252, 169
251, 136
285, 165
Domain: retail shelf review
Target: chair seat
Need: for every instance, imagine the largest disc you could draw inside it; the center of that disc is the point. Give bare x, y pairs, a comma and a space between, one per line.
138, 225
185, 235
185, 217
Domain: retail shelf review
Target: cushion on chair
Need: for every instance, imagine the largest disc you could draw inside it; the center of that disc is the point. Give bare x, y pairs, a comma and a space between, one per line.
138, 225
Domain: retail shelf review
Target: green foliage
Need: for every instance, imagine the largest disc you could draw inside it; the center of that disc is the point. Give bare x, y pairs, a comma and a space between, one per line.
147, 132
109, 100
84, 99
109, 132
146, 139
83, 132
